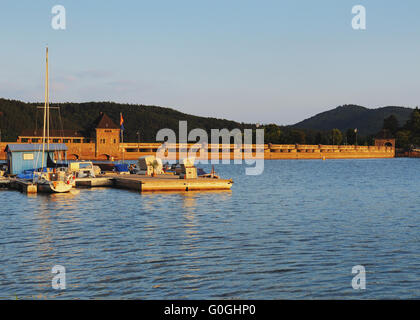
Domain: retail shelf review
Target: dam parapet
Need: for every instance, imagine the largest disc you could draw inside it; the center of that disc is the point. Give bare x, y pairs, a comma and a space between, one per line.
132, 151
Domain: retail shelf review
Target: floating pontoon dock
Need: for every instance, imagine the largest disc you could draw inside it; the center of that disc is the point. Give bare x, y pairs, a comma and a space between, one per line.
135, 182
4, 182
103, 181
169, 183
22, 185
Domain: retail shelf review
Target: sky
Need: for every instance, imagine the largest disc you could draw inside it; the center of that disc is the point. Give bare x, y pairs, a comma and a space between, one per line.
252, 61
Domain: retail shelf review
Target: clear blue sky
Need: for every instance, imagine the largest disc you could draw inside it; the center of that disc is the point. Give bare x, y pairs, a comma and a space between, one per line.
252, 61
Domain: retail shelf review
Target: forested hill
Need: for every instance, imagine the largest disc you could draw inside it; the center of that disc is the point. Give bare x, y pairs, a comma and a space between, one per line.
367, 121
16, 116
332, 127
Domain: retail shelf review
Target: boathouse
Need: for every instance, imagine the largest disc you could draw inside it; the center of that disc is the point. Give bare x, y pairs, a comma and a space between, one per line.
27, 156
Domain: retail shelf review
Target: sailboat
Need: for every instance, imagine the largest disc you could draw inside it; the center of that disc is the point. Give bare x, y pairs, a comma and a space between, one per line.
56, 180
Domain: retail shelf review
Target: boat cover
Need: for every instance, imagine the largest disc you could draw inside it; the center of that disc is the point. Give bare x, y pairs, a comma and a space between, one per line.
121, 167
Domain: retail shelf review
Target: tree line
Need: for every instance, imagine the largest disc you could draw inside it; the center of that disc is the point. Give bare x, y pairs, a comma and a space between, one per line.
408, 135
142, 123
289, 135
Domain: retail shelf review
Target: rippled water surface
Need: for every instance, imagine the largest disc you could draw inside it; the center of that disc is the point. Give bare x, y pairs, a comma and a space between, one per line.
294, 232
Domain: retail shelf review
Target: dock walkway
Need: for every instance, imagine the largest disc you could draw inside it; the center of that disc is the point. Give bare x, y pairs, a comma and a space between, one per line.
4, 182
170, 183
135, 182
23, 185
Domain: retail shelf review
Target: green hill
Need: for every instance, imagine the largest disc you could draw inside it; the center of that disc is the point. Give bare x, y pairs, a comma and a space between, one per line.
367, 121
15, 116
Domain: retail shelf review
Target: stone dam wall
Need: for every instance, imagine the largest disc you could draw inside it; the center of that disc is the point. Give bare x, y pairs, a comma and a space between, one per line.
132, 151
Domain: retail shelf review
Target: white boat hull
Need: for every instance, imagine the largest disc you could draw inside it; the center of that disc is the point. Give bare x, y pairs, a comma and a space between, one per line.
54, 187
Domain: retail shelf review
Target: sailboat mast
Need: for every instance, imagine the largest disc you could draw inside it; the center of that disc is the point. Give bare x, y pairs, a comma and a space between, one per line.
45, 111
48, 107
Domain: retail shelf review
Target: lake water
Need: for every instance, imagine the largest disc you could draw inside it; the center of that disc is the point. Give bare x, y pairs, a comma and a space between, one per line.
293, 232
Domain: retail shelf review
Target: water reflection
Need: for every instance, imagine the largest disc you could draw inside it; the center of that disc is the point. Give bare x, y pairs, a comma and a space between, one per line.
45, 248
297, 237
191, 242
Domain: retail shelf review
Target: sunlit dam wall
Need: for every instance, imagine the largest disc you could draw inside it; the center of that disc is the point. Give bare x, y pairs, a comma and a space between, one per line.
132, 151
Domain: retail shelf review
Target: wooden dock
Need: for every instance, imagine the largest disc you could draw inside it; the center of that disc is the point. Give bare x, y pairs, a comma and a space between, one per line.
143, 183
134, 182
23, 185
103, 181
4, 182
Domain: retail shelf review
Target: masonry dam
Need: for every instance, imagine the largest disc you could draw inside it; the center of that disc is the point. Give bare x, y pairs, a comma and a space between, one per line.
103, 143
132, 151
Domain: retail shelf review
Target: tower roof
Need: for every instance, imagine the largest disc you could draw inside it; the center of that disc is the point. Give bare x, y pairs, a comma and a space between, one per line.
104, 122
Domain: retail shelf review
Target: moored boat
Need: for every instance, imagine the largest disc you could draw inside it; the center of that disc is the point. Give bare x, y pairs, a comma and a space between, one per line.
53, 186
56, 180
